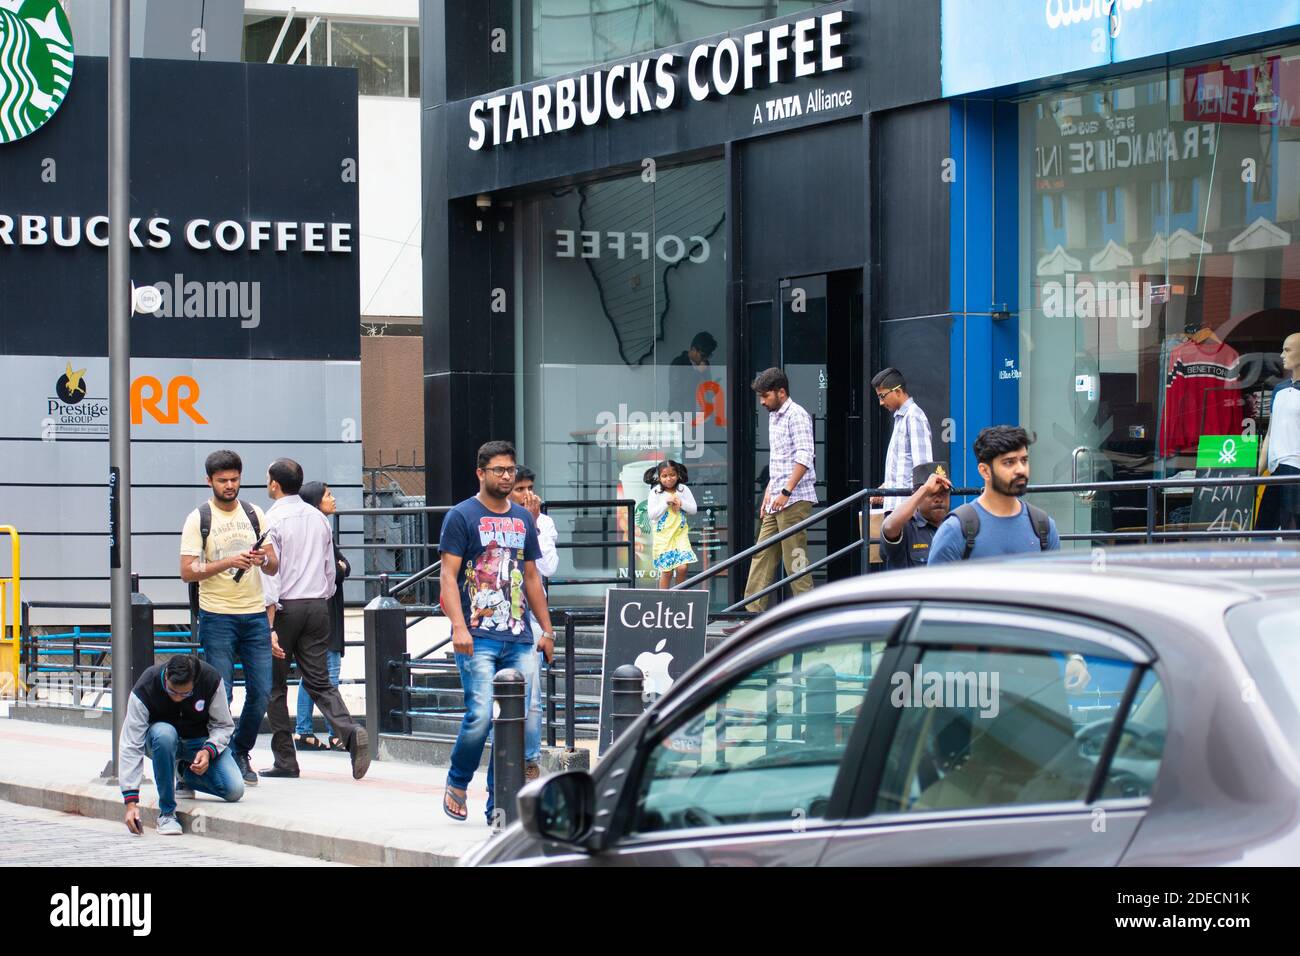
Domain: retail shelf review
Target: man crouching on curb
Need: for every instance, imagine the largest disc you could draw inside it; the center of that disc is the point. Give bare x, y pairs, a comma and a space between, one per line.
178, 711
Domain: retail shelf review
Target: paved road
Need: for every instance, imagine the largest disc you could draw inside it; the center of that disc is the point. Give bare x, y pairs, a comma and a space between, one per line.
34, 837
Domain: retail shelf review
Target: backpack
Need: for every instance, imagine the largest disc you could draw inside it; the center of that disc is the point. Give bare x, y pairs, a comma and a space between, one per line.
205, 528
970, 525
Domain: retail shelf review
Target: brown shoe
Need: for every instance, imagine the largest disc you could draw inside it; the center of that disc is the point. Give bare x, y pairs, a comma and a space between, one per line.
532, 770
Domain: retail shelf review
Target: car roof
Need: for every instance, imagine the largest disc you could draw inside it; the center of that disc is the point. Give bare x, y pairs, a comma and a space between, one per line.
1188, 583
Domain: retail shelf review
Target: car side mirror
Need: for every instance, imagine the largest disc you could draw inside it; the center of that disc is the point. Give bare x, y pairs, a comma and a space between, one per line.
559, 808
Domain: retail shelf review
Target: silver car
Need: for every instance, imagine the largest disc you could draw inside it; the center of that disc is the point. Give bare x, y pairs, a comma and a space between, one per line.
1139, 707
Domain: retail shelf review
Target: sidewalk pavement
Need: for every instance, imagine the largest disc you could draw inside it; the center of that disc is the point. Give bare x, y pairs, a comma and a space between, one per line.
392, 817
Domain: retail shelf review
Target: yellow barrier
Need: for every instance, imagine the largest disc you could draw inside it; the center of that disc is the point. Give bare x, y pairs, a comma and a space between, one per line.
11, 618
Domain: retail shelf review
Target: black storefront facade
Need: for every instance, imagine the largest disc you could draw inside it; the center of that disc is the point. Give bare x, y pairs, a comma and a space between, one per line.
569, 274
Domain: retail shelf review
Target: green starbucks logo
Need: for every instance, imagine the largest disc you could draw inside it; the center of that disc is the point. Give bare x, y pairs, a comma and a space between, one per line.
35, 65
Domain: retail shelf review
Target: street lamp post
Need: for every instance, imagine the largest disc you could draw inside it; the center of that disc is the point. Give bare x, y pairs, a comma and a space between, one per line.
119, 356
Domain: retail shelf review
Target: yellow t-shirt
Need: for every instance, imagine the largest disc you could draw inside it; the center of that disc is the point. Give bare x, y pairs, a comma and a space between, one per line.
231, 533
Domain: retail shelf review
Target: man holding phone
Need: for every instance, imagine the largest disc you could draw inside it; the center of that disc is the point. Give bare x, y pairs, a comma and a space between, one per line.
220, 554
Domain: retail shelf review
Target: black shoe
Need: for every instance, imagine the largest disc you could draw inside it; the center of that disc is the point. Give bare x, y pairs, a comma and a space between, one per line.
359, 747
278, 772
246, 769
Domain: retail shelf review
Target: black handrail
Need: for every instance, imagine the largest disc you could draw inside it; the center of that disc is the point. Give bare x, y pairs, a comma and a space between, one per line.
1150, 534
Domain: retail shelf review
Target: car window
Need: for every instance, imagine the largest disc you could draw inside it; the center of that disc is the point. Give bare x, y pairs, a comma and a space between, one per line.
987, 726
767, 748
1267, 635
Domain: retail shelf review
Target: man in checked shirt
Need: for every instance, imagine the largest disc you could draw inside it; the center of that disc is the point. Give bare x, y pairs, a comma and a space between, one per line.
909, 443
790, 493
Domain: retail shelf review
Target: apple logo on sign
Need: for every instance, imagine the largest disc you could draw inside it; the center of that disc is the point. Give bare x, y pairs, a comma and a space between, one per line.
655, 668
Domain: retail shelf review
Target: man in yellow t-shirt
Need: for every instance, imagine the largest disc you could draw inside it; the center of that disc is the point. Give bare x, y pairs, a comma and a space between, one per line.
232, 614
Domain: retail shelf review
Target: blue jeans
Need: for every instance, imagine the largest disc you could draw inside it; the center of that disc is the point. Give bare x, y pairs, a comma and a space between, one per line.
534, 706
248, 635
477, 671
333, 661
221, 779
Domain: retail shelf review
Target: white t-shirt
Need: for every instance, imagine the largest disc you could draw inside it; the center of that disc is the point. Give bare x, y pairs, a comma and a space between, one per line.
1284, 427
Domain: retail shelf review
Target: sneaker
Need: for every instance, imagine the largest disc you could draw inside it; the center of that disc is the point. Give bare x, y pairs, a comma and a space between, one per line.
168, 825
532, 770
246, 769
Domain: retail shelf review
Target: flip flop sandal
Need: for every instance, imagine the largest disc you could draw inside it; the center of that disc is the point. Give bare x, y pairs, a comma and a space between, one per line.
450, 800
336, 744
309, 742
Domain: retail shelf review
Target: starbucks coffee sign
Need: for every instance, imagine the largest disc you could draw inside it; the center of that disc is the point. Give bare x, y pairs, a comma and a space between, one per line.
761, 58
35, 65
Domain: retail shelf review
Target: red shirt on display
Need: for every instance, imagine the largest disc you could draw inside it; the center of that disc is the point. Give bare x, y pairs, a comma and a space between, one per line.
1201, 396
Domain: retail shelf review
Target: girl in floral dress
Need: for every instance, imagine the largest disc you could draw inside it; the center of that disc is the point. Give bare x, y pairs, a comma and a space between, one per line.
667, 506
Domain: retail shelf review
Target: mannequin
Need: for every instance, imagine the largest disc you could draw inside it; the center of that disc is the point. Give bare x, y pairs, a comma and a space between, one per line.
1280, 506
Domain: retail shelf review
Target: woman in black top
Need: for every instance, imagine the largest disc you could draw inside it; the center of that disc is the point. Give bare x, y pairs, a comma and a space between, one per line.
318, 495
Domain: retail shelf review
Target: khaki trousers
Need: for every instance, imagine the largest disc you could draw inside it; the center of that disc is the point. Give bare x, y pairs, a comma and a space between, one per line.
793, 552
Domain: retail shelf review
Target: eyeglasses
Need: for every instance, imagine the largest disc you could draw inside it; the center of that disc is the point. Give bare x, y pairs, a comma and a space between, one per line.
880, 396
175, 693
503, 472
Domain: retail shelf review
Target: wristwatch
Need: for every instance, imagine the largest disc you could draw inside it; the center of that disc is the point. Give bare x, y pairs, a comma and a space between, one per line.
786, 492
548, 635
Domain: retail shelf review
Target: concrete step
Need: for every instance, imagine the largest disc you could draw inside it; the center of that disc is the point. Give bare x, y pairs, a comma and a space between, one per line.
448, 725
435, 750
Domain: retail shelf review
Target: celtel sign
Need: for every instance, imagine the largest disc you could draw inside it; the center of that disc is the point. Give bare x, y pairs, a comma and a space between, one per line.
772, 56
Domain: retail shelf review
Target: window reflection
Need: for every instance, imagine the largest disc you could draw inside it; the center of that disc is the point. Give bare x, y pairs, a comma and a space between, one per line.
1160, 276
624, 357
571, 35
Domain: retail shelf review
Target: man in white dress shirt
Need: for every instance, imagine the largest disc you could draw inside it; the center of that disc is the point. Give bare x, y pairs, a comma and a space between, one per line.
524, 495
303, 540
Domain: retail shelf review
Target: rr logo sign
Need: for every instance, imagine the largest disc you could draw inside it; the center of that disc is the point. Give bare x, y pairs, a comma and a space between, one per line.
147, 392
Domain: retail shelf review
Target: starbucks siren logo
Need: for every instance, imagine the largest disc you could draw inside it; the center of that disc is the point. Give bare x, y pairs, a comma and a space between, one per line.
35, 64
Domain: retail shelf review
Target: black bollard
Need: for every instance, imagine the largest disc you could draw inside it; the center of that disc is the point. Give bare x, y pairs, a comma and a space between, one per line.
385, 628
142, 649
508, 688
625, 698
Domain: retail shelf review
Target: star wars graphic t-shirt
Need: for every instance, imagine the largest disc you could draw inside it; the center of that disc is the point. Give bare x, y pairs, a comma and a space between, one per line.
493, 548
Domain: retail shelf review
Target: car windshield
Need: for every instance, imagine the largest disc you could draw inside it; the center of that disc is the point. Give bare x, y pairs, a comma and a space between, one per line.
1267, 634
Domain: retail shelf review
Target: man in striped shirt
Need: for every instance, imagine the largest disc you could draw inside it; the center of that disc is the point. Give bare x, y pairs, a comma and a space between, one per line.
791, 492
909, 444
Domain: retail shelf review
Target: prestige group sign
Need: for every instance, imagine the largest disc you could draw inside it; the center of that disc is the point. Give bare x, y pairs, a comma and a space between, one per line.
806, 47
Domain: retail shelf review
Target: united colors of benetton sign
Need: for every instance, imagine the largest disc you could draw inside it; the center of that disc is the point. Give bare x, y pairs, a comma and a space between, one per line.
767, 57
35, 65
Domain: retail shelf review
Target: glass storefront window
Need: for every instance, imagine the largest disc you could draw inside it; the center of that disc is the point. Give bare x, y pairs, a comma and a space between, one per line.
386, 56
1160, 275
623, 355
570, 35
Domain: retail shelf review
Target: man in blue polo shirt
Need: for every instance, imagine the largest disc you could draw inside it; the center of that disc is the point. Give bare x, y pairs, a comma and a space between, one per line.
1280, 506
997, 522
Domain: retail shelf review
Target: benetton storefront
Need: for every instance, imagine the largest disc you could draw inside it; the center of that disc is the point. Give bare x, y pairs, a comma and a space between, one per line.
1150, 267
626, 222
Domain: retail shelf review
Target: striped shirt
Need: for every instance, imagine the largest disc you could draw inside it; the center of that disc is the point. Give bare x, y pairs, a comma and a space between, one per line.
790, 443
909, 446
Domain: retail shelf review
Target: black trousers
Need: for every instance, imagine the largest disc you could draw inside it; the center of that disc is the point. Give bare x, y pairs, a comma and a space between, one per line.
303, 629
1279, 509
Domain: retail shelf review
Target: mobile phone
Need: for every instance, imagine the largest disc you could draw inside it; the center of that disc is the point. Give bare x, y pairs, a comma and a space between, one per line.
256, 544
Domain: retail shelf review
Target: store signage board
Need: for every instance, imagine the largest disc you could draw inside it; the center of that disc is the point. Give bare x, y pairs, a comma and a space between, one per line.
764, 59
659, 632
1227, 507
987, 46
